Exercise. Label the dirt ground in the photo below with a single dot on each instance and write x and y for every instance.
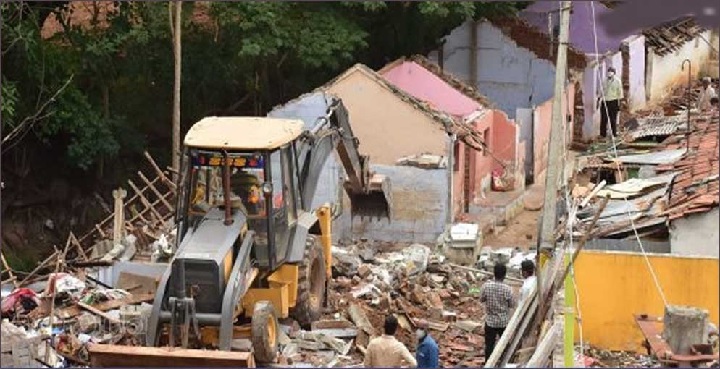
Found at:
(520, 232)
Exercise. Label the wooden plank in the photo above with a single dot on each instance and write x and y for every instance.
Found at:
(159, 172)
(143, 211)
(98, 313)
(155, 191)
(72, 311)
(128, 356)
(520, 334)
(541, 356)
(49, 259)
(136, 284)
(144, 199)
(110, 217)
(9, 270)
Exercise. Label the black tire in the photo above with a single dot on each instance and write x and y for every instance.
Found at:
(312, 286)
(265, 328)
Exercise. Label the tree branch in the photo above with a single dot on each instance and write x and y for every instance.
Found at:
(27, 123)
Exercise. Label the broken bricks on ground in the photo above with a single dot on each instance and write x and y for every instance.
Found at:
(416, 283)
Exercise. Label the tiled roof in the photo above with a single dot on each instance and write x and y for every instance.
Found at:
(527, 36)
(464, 131)
(696, 188)
(422, 106)
(671, 36)
(453, 81)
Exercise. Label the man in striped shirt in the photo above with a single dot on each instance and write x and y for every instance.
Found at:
(498, 299)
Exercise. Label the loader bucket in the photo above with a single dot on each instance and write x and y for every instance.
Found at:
(115, 356)
(376, 202)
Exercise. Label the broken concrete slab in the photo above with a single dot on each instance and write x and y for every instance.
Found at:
(467, 325)
(685, 326)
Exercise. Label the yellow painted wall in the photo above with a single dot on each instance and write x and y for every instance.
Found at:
(613, 286)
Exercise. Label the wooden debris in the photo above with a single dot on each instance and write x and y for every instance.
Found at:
(125, 356)
(98, 313)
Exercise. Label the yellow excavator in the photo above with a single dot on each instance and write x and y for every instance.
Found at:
(250, 248)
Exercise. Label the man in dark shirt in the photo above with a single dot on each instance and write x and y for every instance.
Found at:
(498, 299)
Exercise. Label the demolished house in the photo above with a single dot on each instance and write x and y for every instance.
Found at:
(409, 141)
(494, 166)
(662, 181)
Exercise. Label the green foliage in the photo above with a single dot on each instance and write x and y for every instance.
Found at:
(8, 100)
(238, 58)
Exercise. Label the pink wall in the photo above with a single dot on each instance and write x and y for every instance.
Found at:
(426, 86)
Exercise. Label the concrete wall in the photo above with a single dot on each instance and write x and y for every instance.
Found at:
(510, 76)
(663, 73)
(628, 245)
(696, 234)
(424, 85)
(308, 108)
(636, 90)
(419, 207)
(387, 127)
(612, 286)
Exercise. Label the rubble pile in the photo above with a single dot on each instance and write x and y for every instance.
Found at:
(415, 285)
(50, 323)
(599, 358)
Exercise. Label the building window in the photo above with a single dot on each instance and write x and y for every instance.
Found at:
(456, 155)
(486, 140)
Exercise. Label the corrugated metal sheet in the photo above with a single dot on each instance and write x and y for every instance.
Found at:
(654, 158)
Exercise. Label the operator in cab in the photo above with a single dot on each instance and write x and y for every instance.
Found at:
(247, 186)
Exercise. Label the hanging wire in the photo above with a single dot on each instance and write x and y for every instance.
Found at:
(615, 153)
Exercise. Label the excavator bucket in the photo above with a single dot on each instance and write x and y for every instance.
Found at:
(375, 202)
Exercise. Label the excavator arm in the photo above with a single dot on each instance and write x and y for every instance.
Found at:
(369, 193)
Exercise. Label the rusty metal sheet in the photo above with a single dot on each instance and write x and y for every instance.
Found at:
(652, 327)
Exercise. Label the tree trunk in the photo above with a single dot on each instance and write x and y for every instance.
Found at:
(176, 92)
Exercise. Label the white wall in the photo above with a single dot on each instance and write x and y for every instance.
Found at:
(696, 234)
(663, 73)
(636, 90)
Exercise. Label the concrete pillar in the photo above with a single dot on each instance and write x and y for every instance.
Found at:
(684, 327)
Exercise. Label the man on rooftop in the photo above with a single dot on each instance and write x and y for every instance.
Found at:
(706, 95)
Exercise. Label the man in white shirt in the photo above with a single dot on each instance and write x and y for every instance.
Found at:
(706, 95)
(386, 351)
(527, 268)
(612, 92)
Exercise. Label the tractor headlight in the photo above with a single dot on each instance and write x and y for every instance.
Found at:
(267, 188)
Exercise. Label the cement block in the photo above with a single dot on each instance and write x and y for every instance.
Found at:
(685, 326)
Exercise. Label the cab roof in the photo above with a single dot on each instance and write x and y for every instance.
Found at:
(243, 133)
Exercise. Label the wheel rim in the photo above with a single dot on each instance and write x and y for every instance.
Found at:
(316, 285)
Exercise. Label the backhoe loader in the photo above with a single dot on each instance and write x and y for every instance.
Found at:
(250, 249)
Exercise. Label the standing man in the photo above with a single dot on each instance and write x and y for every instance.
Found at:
(498, 299)
(612, 90)
(527, 268)
(706, 95)
(386, 351)
(427, 352)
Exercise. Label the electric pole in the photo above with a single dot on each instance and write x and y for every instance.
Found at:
(175, 27)
(549, 215)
